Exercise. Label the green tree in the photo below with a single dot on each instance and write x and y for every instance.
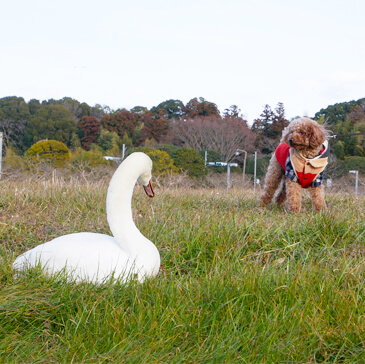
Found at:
(339, 150)
(189, 160)
(355, 163)
(172, 109)
(14, 107)
(354, 122)
(108, 139)
(50, 122)
(335, 113)
(137, 136)
(14, 113)
(233, 112)
(140, 110)
(75, 141)
(268, 128)
(350, 145)
(279, 122)
(168, 148)
(358, 151)
(34, 105)
(267, 118)
(96, 111)
(127, 141)
(69, 103)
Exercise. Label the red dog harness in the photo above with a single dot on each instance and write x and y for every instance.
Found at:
(307, 172)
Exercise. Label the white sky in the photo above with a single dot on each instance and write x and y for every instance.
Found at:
(306, 54)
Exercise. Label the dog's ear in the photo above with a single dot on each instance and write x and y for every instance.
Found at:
(317, 135)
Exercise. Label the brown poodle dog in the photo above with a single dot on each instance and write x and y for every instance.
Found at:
(298, 163)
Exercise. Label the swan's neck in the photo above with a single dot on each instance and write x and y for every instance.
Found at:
(119, 211)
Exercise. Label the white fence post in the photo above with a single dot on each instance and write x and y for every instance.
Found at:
(356, 173)
(254, 172)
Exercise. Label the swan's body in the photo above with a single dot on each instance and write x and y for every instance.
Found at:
(98, 257)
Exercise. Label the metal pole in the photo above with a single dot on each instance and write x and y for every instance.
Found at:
(1, 151)
(356, 173)
(123, 151)
(254, 173)
(228, 176)
(244, 166)
(205, 157)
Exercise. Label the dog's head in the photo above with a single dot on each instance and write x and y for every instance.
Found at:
(304, 134)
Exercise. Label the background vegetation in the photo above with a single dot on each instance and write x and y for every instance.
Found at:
(171, 125)
(237, 284)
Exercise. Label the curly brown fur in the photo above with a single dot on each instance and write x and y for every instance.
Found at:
(304, 135)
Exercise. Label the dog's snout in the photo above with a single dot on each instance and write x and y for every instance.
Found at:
(290, 140)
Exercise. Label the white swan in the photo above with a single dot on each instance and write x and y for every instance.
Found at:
(96, 257)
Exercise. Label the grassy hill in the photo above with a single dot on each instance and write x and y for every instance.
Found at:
(238, 283)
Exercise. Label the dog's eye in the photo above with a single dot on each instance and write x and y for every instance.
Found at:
(302, 132)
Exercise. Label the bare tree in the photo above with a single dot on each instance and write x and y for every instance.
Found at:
(224, 136)
(13, 130)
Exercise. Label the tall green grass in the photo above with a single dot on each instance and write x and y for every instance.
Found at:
(238, 283)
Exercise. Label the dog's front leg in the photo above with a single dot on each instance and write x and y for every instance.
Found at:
(294, 195)
(317, 194)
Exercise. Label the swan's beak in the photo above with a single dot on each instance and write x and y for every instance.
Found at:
(149, 189)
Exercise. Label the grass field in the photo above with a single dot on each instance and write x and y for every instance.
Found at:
(238, 283)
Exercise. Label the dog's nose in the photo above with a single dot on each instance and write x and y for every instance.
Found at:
(290, 140)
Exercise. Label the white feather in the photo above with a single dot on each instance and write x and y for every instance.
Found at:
(97, 257)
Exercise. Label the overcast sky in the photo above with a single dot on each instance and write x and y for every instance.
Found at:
(306, 54)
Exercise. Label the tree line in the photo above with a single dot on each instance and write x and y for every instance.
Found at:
(344, 119)
(198, 124)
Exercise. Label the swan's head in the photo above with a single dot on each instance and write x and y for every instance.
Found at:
(146, 176)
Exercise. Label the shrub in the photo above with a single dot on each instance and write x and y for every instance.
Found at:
(339, 150)
(108, 139)
(170, 149)
(12, 160)
(82, 159)
(355, 163)
(262, 164)
(190, 160)
(358, 151)
(162, 163)
(52, 152)
(213, 156)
